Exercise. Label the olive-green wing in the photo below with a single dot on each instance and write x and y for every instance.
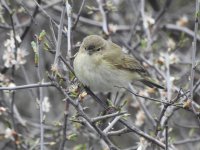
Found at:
(126, 62)
(129, 63)
(123, 61)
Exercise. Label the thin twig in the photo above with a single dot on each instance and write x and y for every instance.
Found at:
(66, 113)
(118, 132)
(110, 126)
(35, 12)
(69, 9)
(104, 16)
(145, 24)
(78, 15)
(185, 30)
(152, 99)
(39, 74)
(194, 48)
(58, 44)
(166, 136)
(107, 116)
(163, 10)
(28, 86)
(185, 141)
(69, 27)
(146, 111)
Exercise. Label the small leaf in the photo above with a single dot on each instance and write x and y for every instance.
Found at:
(34, 46)
(80, 147)
(42, 35)
(72, 137)
(144, 43)
(36, 59)
(46, 46)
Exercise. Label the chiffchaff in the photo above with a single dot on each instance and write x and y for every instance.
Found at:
(102, 66)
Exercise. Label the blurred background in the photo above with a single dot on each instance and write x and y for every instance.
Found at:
(158, 33)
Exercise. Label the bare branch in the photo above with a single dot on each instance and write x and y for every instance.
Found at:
(28, 86)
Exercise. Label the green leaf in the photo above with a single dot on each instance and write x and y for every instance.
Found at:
(34, 46)
(36, 56)
(80, 147)
(46, 46)
(72, 137)
(42, 35)
(144, 43)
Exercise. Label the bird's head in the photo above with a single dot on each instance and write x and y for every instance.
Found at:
(93, 44)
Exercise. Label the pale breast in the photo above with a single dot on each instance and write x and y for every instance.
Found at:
(99, 76)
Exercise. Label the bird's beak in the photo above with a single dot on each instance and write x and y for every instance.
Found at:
(90, 51)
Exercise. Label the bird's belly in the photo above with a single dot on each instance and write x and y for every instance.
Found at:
(100, 77)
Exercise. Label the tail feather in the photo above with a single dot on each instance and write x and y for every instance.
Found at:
(151, 84)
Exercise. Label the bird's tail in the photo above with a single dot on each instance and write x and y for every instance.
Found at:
(151, 84)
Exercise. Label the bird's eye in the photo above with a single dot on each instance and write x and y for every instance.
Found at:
(98, 49)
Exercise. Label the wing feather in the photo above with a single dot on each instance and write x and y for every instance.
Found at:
(124, 61)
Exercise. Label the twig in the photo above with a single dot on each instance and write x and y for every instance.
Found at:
(185, 30)
(107, 116)
(78, 15)
(152, 99)
(196, 85)
(104, 16)
(166, 136)
(133, 29)
(35, 12)
(62, 145)
(168, 81)
(69, 24)
(146, 111)
(163, 10)
(39, 74)
(146, 136)
(21, 87)
(58, 44)
(164, 109)
(47, 15)
(69, 9)
(145, 24)
(194, 48)
(52, 32)
(185, 141)
(86, 20)
(111, 124)
(118, 132)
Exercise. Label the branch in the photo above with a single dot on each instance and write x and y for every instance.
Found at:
(107, 116)
(110, 126)
(104, 16)
(186, 30)
(78, 15)
(59, 35)
(40, 94)
(21, 87)
(69, 24)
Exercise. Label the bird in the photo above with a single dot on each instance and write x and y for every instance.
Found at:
(102, 66)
